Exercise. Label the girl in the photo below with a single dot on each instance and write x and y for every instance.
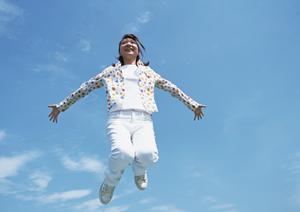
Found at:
(129, 88)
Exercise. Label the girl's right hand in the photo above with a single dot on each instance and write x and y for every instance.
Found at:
(54, 113)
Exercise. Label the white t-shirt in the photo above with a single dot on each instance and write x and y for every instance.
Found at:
(132, 99)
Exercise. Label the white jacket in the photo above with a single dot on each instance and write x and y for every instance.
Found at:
(113, 80)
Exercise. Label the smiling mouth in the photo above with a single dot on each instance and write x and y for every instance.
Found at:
(128, 49)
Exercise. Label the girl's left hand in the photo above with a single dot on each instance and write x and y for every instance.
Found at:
(198, 112)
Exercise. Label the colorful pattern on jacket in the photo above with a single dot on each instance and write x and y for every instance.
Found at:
(112, 79)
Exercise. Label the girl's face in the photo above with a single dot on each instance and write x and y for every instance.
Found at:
(129, 48)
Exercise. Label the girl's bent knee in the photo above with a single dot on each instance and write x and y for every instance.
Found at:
(147, 157)
(123, 156)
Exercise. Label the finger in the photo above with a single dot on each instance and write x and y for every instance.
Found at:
(201, 115)
(52, 118)
(50, 114)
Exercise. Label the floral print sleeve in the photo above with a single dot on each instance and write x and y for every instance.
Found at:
(82, 91)
(168, 86)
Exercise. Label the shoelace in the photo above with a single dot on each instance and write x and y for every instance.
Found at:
(142, 179)
(106, 189)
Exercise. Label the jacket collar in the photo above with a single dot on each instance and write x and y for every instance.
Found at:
(139, 63)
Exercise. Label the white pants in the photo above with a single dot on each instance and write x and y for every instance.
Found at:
(132, 142)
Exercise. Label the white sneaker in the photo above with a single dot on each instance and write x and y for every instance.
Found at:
(141, 181)
(106, 192)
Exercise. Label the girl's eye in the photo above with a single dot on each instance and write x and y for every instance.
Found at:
(131, 42)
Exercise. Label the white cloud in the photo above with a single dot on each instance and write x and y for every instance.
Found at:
(85, 45)
(65, 196)
(146, 200)
(56, 66)
(54, 70)
(94, 205)
(87, 164)
(218, 205)
(296, 199)
(2, 135)
(117, 208)
(9, 9)
(166, 208)
(131, 28)
(293, 171)
(223, 206)
(7, 187)
(8, 14)
(144, 18)
(59, 56)
(89, 205)
(50, 68)
(10, 166)
(134, 27)
(294, 165)
(197, 174)
(40, 180)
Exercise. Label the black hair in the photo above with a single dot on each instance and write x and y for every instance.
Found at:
(140, 49)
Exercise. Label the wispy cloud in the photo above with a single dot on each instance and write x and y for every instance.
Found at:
(134, 27)
(65, 196)
(293, 175)
(218, 205)
(294, 165)
(2, 135)
(144, 18)
(85, 45)
(94, 205)
(125, 193)
(8, 14)
(53, 69)
(223, 207)
(10, 166)
(59, 56)
(146, 200)
(40, 180)
(56, 67)
(166, 208)
(296, 198)
(89, 205)
(117, 208)
(86, 164)
(9, 9)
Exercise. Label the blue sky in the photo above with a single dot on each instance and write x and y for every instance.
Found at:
(240, 58)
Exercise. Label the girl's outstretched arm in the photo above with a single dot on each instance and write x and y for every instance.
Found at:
(85, 88)
(180, 95)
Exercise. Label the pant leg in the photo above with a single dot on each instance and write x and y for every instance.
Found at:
(145, 147)
(122, 152)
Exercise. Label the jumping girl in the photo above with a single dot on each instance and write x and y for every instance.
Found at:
(129, 88)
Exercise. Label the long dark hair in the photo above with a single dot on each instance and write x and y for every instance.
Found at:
(140, 48)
